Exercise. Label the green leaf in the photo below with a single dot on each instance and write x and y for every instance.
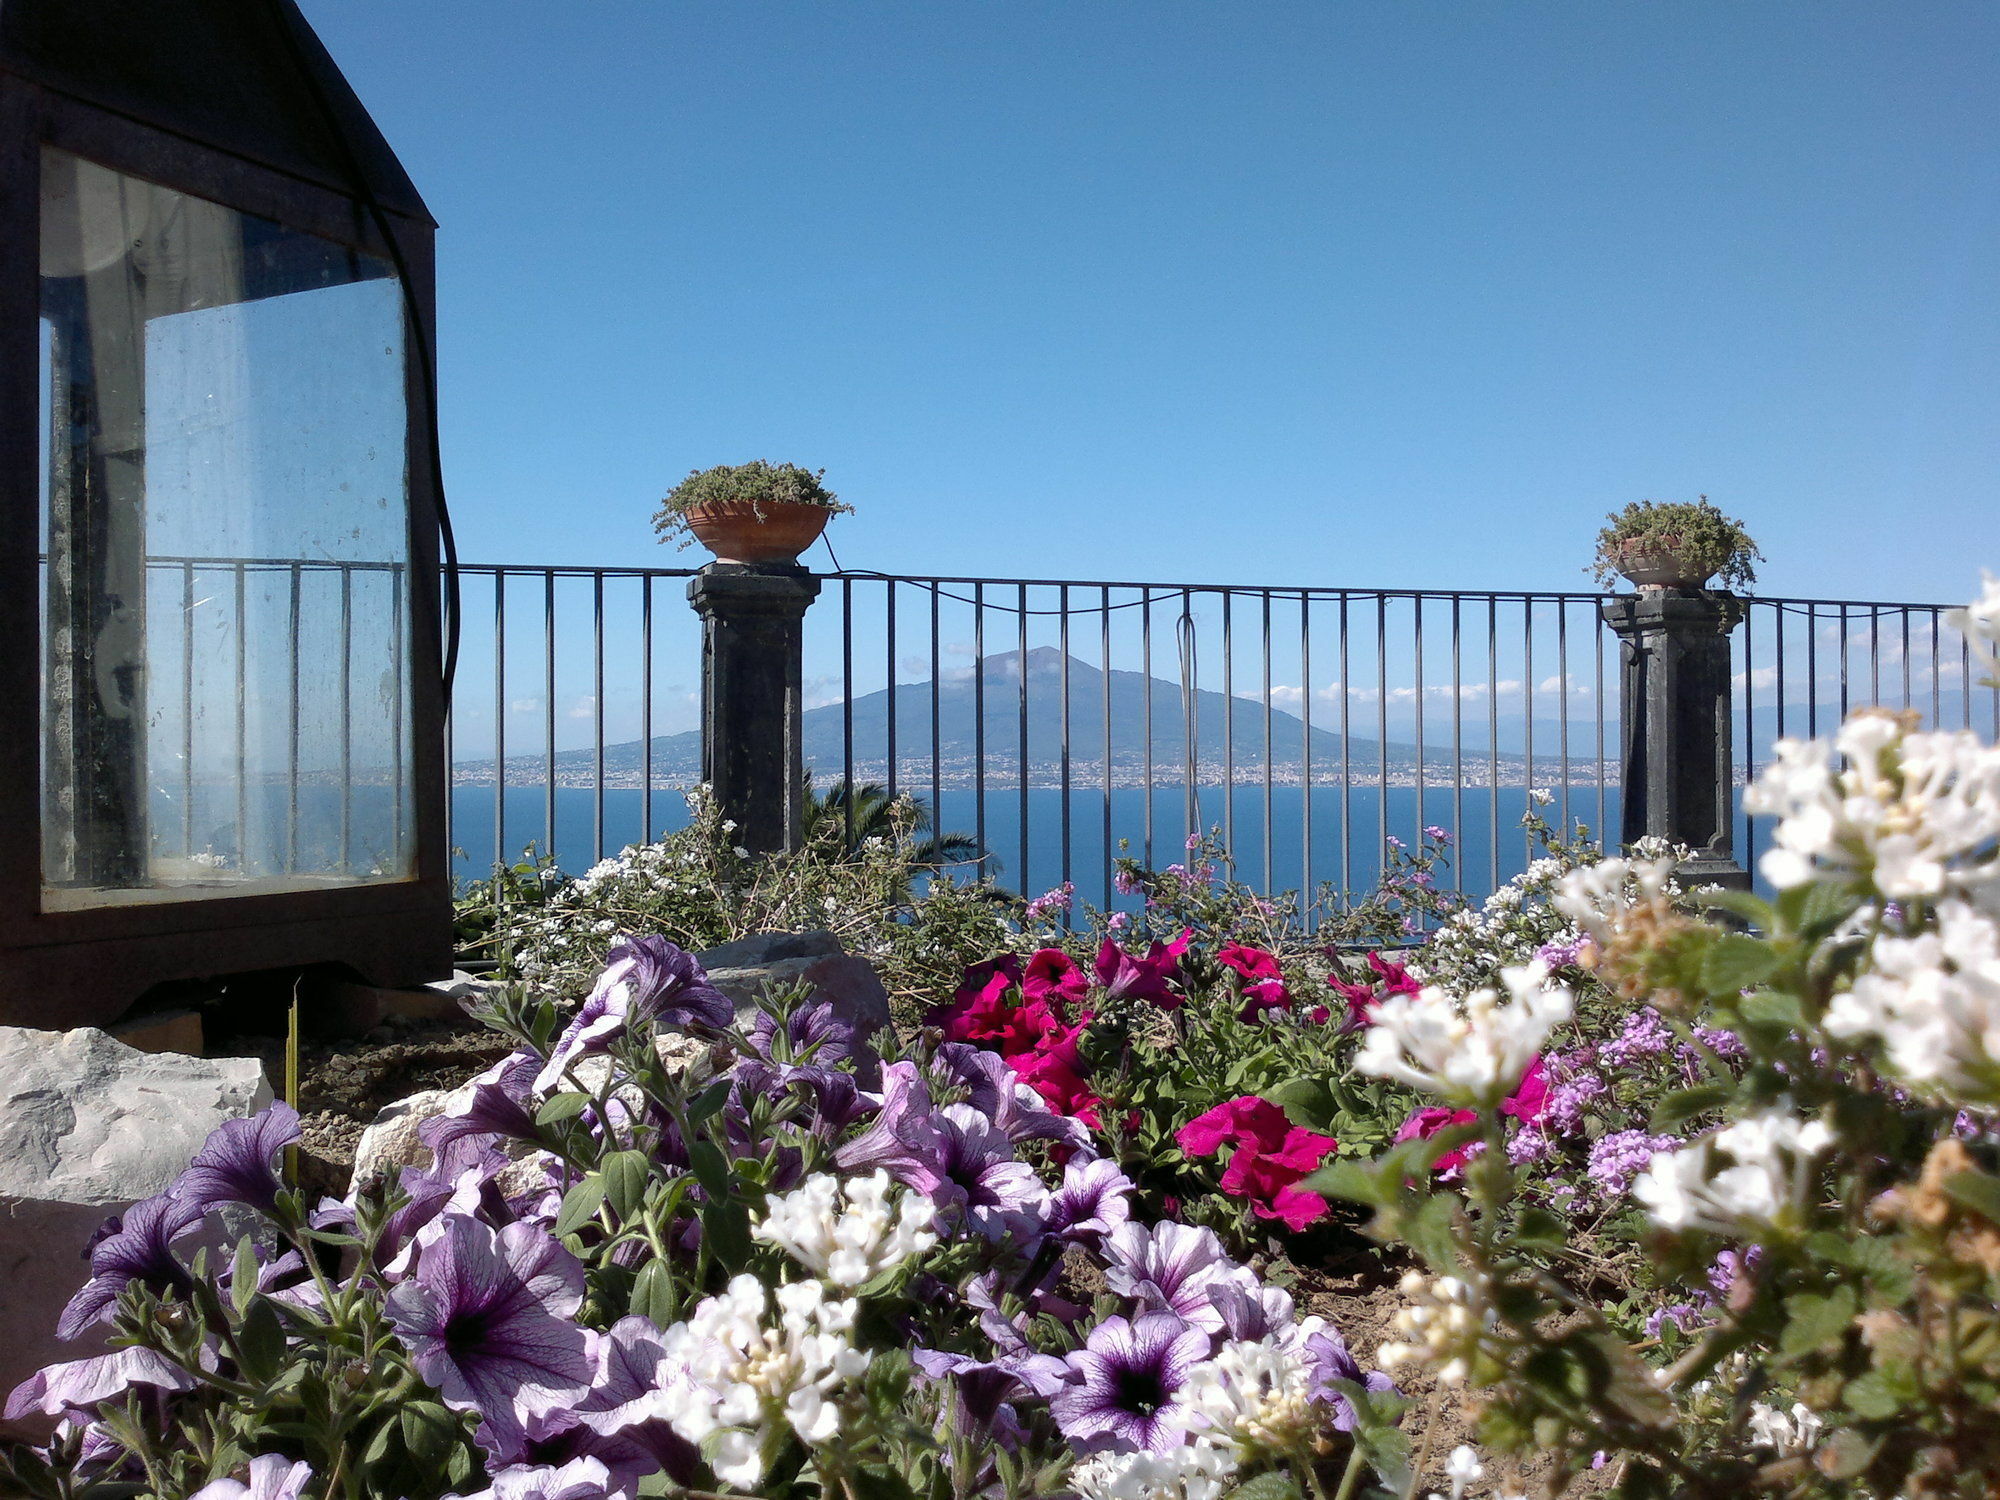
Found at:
(1539, 1229)
(725, 1227)
(1752, 909)
(1431, 1231)
(260, 1339)
(1825, 906)
(243, 1275)
(561, 1106)
(579, 1205)
(626, 1174)
(1773, 1008)
(1813, 1321)
(1735, 962)
(1356, 1182)
(653, 1294)
(429, 1432)
(1876, 1396)
(1682, 1105)
(1976, 1191)
(708, 1102)
(711, 1168)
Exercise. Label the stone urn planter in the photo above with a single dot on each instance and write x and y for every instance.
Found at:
(1653, 565)
(770, 531)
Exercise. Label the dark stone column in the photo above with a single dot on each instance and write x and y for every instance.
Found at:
(751, 648)
(1675, 723)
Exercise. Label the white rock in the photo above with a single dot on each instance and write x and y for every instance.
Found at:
(88, 1126)
(390, 1142)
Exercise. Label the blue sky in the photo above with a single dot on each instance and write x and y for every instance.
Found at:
(1347, 293)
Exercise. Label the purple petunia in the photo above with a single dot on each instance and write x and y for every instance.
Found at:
(579, 1479)
(645, 980)
(1173, 1268)
(238, 1162)
(624, 1420)
(1095, 1199)
(500, 1105)
(79, 1384)
(1330, 1361)
(272, 1477)
(1125, 1384)
(899, 1139)
(488, 1319)
(978, 1175)
(137, 1247)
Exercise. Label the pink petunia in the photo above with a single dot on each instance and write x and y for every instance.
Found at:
(1248, 1121)
(1427, 1122)
(1053, 976)
(1128, 975)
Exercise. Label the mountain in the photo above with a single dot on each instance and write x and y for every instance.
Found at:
(962, 713)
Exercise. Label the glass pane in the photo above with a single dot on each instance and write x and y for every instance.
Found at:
(225, 586)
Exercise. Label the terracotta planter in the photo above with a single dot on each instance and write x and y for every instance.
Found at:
(736, 533)
(1656, 565)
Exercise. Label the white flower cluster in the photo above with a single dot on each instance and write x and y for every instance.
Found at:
(849, 1231)
(1791, 1433)
(1442, 1325)
(1473, 945)
(1770, 1154)
(1256, 1395)
(1979, 623)
(1598, 897)
(1193, 1471)
(1470, 1053)
(746, 1378)
(1904, 812)
(1934, 999)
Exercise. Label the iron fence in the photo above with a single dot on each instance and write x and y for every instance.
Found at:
(1061, 723)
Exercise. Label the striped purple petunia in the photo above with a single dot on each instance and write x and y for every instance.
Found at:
(1125, 1385)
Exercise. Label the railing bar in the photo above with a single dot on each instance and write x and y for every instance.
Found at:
(1104, 643)
(1346, 763)
(1844, 649)
(1562, 712)
(847, 710)
(1190, 720)
(499, 726)
(1304, 693)
(549, 713)
(1457, 748)
(1812, 672)
(346, 719)
(1381, 730)
(1146, 650)
(1229, 737)
(1603, 712)
(1417, 680)
(1493, 739)
(1937, 666)
(937, 718)
(242, 728)
(292, 738)
(187, 710)
(1062, 682)
(889, 637)
(1874, 657)
(648, 829)
(597, 714)
(979, 723)
(1728, 811)
(1022, 688)
(1528, 703)
(1905, 616)
(1305, 764)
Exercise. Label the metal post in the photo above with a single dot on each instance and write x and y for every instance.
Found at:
(751, 696)
(1674, 695)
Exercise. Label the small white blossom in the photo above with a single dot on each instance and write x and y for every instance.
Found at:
(1461, 1469)
(1979, 623)
(1790, 1433)
(742, 1376)
(849, 1232)
(1443, 1325)
(1934, 999)
(1257, 1395)
(1194, 1471)
(1471, 1053)
(1770, 1155)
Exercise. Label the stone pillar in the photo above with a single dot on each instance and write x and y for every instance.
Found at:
(751, 649)
(1675, 725)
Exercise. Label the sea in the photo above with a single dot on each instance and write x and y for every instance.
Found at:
(1349, 833)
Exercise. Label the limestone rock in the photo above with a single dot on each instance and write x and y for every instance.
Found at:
(88, 1126)
(390, 1142)
(746, 969)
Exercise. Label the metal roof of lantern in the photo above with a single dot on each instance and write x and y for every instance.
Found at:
(244, 76)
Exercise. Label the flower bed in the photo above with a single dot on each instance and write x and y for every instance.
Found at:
(1689, 1193)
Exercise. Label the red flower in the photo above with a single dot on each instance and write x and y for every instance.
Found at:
(1251, 963)
(1262, 985)
(1391, 978)
(1530, 1100)
(1271, 1157)
(1123, 973)
(1054, 976)
(1433, 1118)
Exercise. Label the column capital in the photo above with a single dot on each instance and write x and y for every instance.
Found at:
(740, 589)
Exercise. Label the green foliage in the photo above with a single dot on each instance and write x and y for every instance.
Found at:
(1713, 544)
(755, 484)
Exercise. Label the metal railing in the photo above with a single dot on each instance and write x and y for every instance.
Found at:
(1054, 720)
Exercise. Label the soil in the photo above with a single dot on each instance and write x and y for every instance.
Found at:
(343, 1083)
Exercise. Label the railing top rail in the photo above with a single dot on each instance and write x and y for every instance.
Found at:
(1316, 591)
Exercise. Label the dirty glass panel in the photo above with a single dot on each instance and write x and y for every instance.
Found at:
(225, 702)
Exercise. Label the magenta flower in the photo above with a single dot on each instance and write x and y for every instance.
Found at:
(647, 980)
(134, 1248)
(1126, 975)
(237, 1163)
(272, 1477)
(80, 1384)
(1053, 976)
(1429, 1121)
(1530, 1099)
(1125, 1383)
(488, 1320)
(1248, 1121)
